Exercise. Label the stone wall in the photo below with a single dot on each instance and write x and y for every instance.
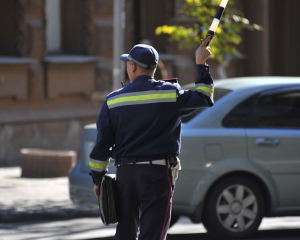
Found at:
(56, 125)
(46, 98)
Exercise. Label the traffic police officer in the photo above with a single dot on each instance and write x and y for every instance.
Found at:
(139, 126)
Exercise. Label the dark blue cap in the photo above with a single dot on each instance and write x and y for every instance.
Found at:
(142, 55)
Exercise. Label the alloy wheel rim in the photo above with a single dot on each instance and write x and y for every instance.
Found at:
(237, 208)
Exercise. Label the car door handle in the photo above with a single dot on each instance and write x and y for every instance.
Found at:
(270, 142)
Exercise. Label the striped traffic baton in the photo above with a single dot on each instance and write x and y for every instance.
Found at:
(216, 21)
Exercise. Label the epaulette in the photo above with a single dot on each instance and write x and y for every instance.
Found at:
(171, 80)
(116, 90)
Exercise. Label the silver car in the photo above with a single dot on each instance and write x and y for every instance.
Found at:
(240, 159)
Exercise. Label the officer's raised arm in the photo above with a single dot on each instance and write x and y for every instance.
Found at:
(204, 81)
(189, 100)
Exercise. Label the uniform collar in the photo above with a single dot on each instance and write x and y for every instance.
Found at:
(143, 78)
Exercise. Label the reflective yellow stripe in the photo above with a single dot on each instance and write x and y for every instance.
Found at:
(206, 90)
(98, 165)
(156, 96)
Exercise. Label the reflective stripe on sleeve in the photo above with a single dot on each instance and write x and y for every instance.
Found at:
(206, 89)
(145, 97)
(98, 166)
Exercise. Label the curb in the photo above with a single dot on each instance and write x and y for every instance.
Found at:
(11, 216)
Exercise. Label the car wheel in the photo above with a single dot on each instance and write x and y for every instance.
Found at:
(234, 208)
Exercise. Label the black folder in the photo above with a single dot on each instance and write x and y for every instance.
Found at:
(107, 200)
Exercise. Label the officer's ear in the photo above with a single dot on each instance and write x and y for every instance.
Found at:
(133, 67)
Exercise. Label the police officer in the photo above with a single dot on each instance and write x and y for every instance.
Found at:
(139, 126)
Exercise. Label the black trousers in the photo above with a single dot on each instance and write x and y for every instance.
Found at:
(144, 193)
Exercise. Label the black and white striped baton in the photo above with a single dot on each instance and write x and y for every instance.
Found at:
(216, 21)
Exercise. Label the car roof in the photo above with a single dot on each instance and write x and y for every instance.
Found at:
(237, 83)
(242, 82)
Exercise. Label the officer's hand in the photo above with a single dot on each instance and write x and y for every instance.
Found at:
(203, 52)
(96, 191)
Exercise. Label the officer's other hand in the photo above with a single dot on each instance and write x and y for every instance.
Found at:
(96, 191)
(203, 52)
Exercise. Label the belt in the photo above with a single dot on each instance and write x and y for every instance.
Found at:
(126, 160)
(154, 162)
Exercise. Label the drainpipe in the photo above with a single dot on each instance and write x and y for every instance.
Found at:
(118, 43)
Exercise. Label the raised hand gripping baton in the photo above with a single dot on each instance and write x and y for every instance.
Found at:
(216, 21)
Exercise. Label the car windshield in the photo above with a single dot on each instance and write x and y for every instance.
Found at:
(218, 94)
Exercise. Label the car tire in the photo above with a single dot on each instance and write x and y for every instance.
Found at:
(233, 209)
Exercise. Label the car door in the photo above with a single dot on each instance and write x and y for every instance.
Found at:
(273, 134)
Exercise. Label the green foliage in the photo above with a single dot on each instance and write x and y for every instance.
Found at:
(227, 35)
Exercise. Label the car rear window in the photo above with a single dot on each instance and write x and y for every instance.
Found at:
(276, 111)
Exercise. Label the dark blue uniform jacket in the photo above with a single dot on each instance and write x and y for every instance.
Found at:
(143, 119)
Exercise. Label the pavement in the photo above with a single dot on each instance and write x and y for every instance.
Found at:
(40, 208)
(37, 199)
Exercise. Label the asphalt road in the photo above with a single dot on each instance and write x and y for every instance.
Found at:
(286, 228)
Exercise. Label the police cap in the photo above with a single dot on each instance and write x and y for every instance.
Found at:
(142, 55)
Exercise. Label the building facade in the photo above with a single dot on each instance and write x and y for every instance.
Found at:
(56, 60)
